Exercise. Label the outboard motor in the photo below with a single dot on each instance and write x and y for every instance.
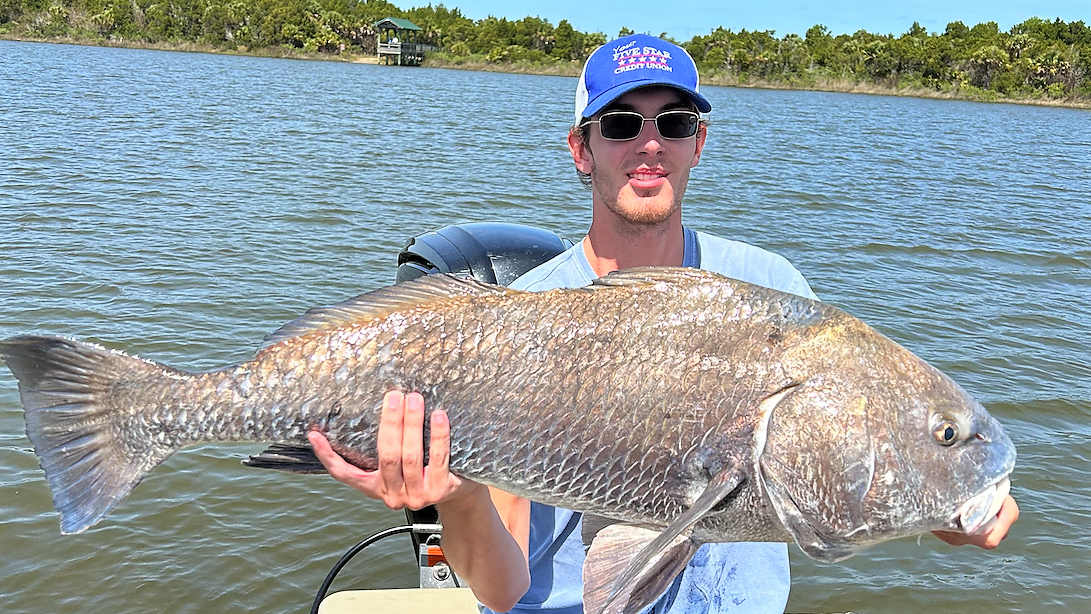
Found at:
(492, 252)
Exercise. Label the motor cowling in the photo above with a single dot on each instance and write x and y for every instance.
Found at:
(492, 252)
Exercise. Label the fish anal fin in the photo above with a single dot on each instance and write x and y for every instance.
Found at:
(662, 557)
(591, 525)
(382, 302)
(612, 550)
(293, 458)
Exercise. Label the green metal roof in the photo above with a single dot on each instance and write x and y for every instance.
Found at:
(397, 24)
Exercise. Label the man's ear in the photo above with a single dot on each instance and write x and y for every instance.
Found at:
(702, 134)
(581, 153)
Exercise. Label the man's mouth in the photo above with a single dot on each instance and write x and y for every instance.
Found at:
(647, 179)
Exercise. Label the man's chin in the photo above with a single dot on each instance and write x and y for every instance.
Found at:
(644, 213)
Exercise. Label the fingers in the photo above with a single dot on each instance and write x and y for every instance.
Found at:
(412, 447)
(954, 538)
(324, 451)
(403, 478)
(401, 451)
(387, 483)
(364, 481)
(1008, 514)
(390, 442)
(437, 475)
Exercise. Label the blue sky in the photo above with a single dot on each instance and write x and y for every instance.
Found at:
(684, 19)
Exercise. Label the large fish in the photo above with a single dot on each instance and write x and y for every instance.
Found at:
(693, 407)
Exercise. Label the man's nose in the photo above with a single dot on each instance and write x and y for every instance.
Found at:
(649, 138)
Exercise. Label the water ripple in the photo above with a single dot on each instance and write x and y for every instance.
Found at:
(181, 206)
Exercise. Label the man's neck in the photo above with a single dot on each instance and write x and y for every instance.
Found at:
(611, 248)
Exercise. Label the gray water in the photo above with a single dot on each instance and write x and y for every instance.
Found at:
(181, 206)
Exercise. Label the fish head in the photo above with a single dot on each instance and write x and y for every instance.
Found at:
(870, 443)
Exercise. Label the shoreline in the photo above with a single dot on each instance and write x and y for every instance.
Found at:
(821, 84)
(846, 86)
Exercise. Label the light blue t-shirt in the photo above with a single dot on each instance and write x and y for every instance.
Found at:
(741, 578)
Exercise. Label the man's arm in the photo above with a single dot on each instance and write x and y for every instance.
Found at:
(486, 544)
(475, 540)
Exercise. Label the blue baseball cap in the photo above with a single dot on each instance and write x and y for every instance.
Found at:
(632, 62)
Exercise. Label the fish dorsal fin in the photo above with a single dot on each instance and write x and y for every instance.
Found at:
(645, 275)
(382, 302)
(661, 559)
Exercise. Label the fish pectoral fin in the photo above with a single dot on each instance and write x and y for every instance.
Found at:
(611, 552)
(660, 559)
(292, 458)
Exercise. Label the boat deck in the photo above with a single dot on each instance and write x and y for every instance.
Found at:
(401, 601)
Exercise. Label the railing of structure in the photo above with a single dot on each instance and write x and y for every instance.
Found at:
(404, 53)
(403, 48)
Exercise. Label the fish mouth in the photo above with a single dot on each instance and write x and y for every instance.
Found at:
(978, 515)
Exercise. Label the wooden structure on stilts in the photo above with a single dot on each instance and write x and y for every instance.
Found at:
(398, 42)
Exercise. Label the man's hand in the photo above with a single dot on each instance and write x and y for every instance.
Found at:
(402, 480)
(1008, 514)
(475, 540)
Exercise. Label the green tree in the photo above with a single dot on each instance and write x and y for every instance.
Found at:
(1038, 57)
(114, 18)
(986, 64)
(563, 41)
(10, 10)
(957, 30)
(821, 46)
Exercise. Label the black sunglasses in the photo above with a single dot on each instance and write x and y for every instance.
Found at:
(626, 125)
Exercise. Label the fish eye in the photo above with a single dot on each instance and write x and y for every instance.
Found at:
(945, 432)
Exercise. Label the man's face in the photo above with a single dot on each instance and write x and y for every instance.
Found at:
(640, 181)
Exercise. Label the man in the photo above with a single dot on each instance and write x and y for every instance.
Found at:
(637, 135)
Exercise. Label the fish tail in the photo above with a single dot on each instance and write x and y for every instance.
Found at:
(77, 426)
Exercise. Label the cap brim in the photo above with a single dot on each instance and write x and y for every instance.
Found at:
(604, 99)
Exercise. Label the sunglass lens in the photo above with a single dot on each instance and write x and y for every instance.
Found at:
(620, 126)
(679, 125)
